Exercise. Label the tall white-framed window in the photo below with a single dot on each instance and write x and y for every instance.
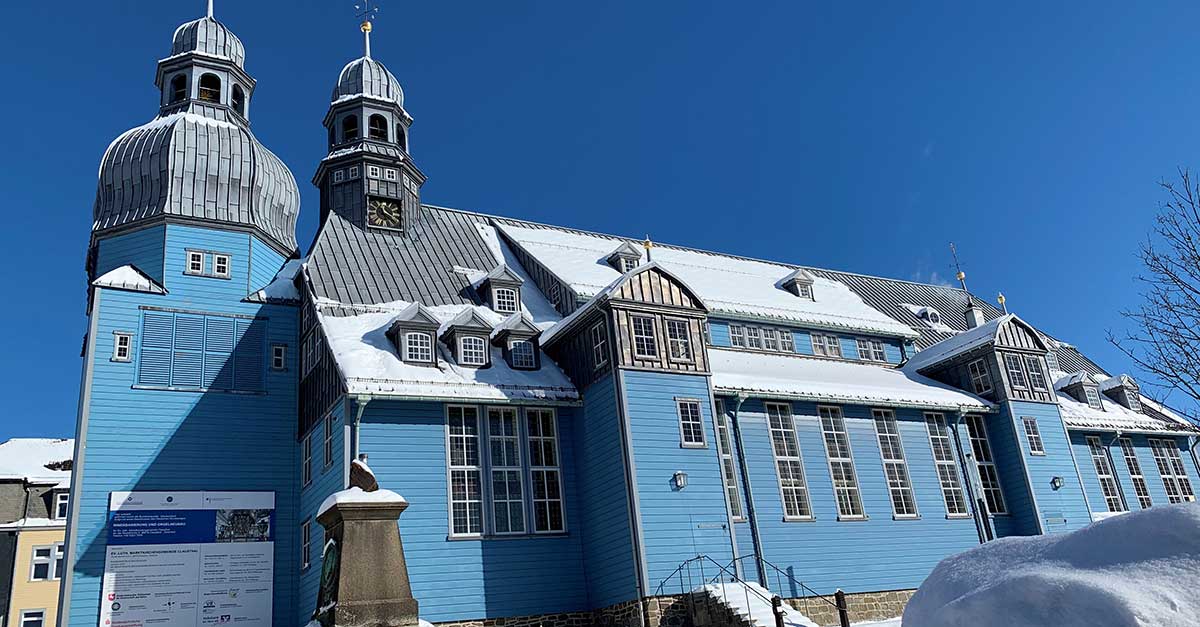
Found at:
(305, 545)
(62, 503)
(985, 464)
(871, 350)
(789, 465)
(770, 340)
(895, 466)
(1033, 435)
(505, 299)
(221, 266)
(737, 336)
(546, 478)
(1104, 472)
(1037, 378)
(981, 381)
(599, 345)
(679, 339)
(841, 462)
(195, 262)
(466, 489)
(418, 347)
(1093, 396)
(122, 346)
(504, 442)
(787, 343)
(279, 357)
(33, 618)
(46, 563)
(306, 461)
(947, 467)
(725, 448)
(522, 354)
(1170, 467)
(826, 345)
(1135, 472)
(754, 338)
(328, 443)
(691, 423)
(472, 350)
(1016, 374)
(645, 345)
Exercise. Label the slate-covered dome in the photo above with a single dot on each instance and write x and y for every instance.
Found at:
(208, 36)
(192, 166)
(368, 77)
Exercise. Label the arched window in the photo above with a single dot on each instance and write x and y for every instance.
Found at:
(401, 138)
(210, 88)
(238, 100)
(377, 127)
(179, 87)
(349, 128)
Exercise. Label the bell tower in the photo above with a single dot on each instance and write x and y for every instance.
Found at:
(368, 178)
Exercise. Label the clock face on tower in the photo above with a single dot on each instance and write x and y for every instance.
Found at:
(383, 212)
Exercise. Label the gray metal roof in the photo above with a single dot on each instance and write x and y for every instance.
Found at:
(210, 37)
(367, 77)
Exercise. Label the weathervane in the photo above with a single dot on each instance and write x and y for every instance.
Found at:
(367, 10)
(960, 275)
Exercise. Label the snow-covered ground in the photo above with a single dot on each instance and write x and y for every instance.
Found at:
(1139, 569)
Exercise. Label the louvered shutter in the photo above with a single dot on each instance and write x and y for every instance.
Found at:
(218, 346)
(248, 361)
(154, 358)
(188, 365)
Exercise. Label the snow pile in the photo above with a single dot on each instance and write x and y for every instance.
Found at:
(747, 600)
(283, 286)
(1139, 569)
(356, 495)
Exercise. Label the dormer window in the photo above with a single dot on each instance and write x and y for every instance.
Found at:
(1135, 403)
(472, 351)
(210, 88)
(504, 300)
(501, 289)
(628, 264)
(799, 283)
(418, 347)
(522, 355)
(932, 315)
(625, 258)
(412, 332)
(1092, 394)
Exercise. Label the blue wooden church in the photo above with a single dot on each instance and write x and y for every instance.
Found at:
(571, 415)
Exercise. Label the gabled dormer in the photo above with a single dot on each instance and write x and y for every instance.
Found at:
(1124, 390)
(467, 338)
(1001, 359)
(625, 258)
(517, 338)
(501, 290)
(799, 283)
(1081, 387)
(412, 332)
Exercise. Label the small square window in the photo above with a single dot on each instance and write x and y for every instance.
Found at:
(805, 291)
(195, 262)
(339, 176)
(221, 266)
(279, 357)
(62, 501)
(373, 171)
(353, 172)
(33, 618)
(122, 346)
(389, 174)
(522, 354)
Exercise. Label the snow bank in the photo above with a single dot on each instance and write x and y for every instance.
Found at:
(356, 495)
(746, 599)
(1140, 569)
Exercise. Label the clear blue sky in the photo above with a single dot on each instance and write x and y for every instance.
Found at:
(861, 137)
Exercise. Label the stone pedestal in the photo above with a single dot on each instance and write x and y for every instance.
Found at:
(368, 585)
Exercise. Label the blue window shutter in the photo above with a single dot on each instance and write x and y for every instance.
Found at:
(189, 351)
(154, 358)
(248, 361)
(218, 346)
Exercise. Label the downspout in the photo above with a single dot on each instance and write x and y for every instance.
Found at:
(361, 400)
(751, 515)
(982, 527)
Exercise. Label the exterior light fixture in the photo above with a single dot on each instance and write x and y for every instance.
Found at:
(680, 479)
(1056, 483)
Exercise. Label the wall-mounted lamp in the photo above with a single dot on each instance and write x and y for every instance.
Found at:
(1056, 483)
(680, 479)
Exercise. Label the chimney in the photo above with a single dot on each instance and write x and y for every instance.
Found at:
(974, 314)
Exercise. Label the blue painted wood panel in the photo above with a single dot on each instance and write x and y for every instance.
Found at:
(676, 524)
(1145, 455)
(470, 579)
(142, 248)
(718, 331)
(1021, 519)
(604, 499)
(879, 553)
(237, 245)
(1063, 509)
(264, 263)
(803, 341)
(326, 479)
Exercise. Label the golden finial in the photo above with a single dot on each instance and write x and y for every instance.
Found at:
(367, 11)
(647, 244)
(1000, 299)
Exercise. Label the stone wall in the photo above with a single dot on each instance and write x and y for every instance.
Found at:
(863, 606)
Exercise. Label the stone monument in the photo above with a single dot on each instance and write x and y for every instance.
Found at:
(364, 580)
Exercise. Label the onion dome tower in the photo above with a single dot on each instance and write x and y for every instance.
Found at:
(197, 162)
(368, 177)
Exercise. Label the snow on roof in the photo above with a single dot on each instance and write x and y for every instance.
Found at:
(728, 284)
(534, 303)
(129, 277)
(1120, 380)
(584, 309)
(27, 458)
(1117, 417)
(283, 286)
(369, 362)
(1064, 380)
(807, 378)
(33, 523)
(965, 341)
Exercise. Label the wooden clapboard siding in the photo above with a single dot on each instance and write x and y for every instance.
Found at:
(575, 354)
(326, 479)
(1063, 509)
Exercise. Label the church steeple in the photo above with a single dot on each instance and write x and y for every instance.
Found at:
(368, 176)
(205, 73)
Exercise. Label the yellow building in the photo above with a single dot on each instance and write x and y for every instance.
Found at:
(37, 570)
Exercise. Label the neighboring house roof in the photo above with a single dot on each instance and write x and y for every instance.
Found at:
(129, 277)
(33, 523)
(37, 460)
(806, 378)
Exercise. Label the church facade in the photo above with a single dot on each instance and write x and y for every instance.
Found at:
(571, 415)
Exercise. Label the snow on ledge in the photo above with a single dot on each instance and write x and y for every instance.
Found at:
(128, 277)
(356, 495)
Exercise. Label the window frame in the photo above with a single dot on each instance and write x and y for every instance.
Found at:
(118, 336)
(481, 349)
(389, 174)
(374, 172)
(754, 338)
(737, 336)
(531, 355)
(1172, 471)
(838, 419)
(651, 340)
(787, 342)
(279, 357)
(339, 176)
(1140, 488)
(327, 441)
(517, 441)
(599, 337)
(1035, 374)
(509, 295)
(26, 616)
(306, 474)
(179, 88)
(686, 439)
(981, 377)
(770, 338)
(985, 446)
(785, 434)
(217, 259)
(194, 256)
(201, 89)
(53, 561)
(556, 468)
(1134, 397)
(1106, 475)
(938, 420)
(724, 433)
(903, 483)
(62, 501)
(1033, 435)
(1015, 367)
(875, 351)
(477, 468)
(305, 545)
(410, 348)
(1091, 392)
(684, 343)
(827, 342)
